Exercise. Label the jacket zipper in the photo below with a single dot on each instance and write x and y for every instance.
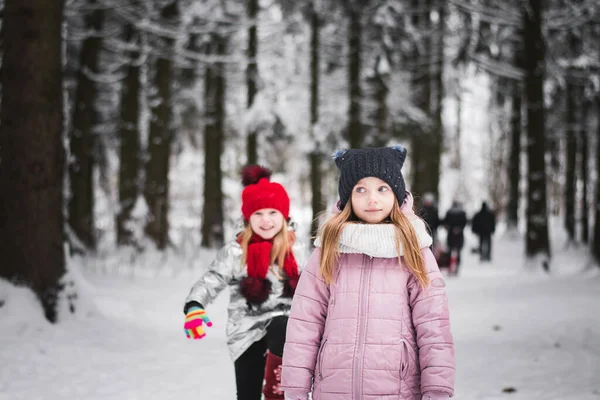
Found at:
(320, 361)
(335, 282)
(362, 318)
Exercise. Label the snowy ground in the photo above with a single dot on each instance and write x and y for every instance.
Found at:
(537, 334)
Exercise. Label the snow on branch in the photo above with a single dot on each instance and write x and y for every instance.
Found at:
(491, 15)
(572, 17)
(103, 78)
(74, 36)
(561, 18)
(498, 68)
(210, 58)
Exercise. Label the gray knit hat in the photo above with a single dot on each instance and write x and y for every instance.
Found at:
(384, 163)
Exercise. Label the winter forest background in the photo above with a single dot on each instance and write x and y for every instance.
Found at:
(124, 123)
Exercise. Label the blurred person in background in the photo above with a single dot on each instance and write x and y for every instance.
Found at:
(484, 226)
(455, 222)
(430, 214)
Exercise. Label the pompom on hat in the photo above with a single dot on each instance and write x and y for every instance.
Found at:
(259, 192)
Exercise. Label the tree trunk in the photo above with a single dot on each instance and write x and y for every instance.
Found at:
(381, 113)
(130, 154)
(316, 156)
(32, 149)
(537, 241)
(584, 171)
(596, 241)
(554, 181)
(457, 153)
(571, 157)
(355, 129)
(514, 166)
(160, 138)
(214, 92)
(438, 141)
(251, 77)
(85, 118)
(424, 150)
(316, 184)
(188, 77)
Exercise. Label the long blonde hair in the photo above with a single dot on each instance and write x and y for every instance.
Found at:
(282, 244)
(406, 239)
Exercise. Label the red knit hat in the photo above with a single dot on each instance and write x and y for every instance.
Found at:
(261, 193)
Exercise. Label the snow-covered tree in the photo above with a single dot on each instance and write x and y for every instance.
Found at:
(32, 149)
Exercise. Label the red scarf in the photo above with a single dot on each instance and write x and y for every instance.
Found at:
(256, 287)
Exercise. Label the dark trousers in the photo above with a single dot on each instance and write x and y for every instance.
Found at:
(250, 366)
(485, 247)
(456, 242)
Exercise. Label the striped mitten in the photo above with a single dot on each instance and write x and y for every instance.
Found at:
(194, 319)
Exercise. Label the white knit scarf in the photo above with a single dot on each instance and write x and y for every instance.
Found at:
(377, 240)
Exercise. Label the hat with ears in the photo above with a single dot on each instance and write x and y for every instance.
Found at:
(384, 163)
(259, 192)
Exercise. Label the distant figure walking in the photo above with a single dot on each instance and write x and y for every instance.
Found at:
(429, 213)
(455, 223)
(484, 225)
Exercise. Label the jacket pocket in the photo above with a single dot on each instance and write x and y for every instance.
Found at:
(320, 359)
(404, 360)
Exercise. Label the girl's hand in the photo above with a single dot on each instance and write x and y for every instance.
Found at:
(408, 206)
(194, 319)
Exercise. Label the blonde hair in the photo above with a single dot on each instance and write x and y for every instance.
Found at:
(406, 238)
(282, 244)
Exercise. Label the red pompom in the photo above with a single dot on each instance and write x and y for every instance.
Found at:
(289, 287)
(251, 174)
(255, 290)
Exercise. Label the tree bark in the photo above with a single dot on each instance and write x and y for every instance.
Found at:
(570, 160)
(457, 154)
(514, 166)
(537, 241)
(160, 138)
(584, 171)
(425, 143)
(596, 241)
(316, 156)
(438, 73)
(214, 92)
(382, 111)
(130, 153)
(32, 149)
(355, 129)
(82, 141)
(251, 77)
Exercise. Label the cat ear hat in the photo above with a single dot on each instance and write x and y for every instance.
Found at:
(384, 163)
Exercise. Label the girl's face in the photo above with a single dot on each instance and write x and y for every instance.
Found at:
(266, 222)
(372, 200)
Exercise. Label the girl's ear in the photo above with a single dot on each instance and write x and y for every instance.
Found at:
(338, 157)
(402, 152)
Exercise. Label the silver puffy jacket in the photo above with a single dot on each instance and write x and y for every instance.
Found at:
(245, 325)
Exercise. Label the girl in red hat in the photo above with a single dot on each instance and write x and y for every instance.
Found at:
(261, 271)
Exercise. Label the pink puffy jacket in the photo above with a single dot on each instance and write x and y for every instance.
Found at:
(374, 334)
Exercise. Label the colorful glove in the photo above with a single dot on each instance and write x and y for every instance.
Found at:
(193, 323)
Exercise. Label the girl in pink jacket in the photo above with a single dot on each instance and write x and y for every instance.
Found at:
(370, 316)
